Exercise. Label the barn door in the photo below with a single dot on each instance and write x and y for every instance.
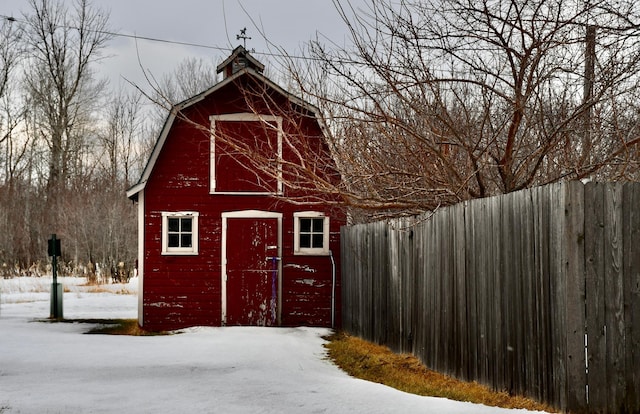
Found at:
(252, 270)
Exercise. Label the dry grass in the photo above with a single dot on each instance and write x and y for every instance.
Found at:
(101, 289)
(111, 326)
(370, 362)
(404, 372)
(120, 327)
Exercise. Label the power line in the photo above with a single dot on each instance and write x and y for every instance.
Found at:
(132, 36)
(191, 44)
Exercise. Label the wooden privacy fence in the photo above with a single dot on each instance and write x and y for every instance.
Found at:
(535, 292)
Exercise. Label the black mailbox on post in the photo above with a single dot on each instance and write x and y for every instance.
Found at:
(54, 246)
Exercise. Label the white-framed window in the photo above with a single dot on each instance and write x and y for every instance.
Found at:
(180, 233)
(311, 233)
(240, 181)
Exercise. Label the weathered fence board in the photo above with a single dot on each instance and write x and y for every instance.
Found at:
(472, 304)
(614, 306)
(575, 304)
(631, 289)
(594, 247)
(535, 292)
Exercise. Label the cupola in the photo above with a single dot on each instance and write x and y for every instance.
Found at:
(239, 59)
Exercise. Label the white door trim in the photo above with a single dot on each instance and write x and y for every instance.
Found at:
(223, 259)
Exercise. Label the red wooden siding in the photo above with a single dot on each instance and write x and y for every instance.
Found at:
(233, 166)
(180, 291)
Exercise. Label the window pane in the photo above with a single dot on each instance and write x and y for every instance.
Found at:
(174, 224)
(174, 240)
(318, 240)
(318, 225)
(186, 225)
(305, 240)
(305, 225)
(179, 232)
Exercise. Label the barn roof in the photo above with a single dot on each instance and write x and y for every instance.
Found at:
(253, 68)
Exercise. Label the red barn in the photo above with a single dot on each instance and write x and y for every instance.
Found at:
(234, 228)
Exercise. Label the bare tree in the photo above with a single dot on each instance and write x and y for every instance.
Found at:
(297, 167)
(62, 44)
(121, 140)
(12, 147)
(11, 53)
(190, 77)
(56, 138)
(441, 101)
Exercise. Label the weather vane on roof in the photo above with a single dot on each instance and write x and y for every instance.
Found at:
(243, 36)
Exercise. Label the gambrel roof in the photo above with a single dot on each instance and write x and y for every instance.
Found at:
(251, 68)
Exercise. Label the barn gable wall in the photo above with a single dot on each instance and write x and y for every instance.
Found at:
(182, 291)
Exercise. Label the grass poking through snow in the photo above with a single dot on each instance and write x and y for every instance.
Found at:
(370, 362)
(118, 327)
(111, 326)
(404, 372)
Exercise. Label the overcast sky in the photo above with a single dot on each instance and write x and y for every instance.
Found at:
(287, 24)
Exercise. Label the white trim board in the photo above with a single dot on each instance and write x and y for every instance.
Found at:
(243, 117)
(177, 109)
(223, 258)
(141, 246)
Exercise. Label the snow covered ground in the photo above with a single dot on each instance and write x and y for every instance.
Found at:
(55, 368)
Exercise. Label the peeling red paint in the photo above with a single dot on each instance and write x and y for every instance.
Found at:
(180, 291)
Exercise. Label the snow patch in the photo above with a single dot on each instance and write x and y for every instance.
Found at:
(55, 368)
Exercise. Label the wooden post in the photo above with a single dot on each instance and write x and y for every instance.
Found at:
(56, 289)
(589, 76)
